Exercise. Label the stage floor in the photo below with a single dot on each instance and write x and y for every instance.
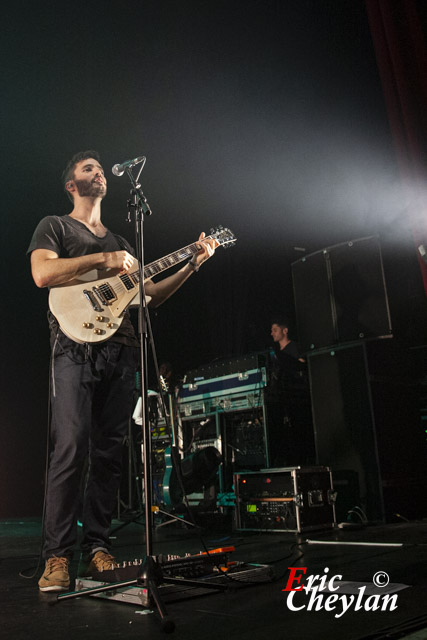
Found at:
(258, 611)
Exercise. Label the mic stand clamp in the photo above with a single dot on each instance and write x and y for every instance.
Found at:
(142, 200)
(137, 193)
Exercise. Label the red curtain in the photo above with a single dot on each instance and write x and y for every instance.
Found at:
(401, 53)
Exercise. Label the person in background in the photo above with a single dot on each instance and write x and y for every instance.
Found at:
(289, 423)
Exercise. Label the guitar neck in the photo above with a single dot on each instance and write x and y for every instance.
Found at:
(156, 267)
(170, 260)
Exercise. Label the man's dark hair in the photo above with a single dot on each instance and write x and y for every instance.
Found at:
(281, 321)
(68, 173)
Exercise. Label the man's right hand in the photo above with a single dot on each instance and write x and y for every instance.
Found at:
(121, 260)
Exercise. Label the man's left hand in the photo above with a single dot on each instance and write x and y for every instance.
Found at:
(207, 249)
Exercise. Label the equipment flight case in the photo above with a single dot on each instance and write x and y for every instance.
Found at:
(285, 499)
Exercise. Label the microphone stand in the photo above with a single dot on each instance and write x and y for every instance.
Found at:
(138, 203)
(140, 206)
(150, 575)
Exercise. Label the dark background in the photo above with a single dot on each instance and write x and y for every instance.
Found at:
(267, 117)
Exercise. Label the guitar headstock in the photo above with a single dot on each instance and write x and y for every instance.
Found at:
(225, 237)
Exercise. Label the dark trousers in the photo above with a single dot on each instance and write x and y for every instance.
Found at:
(91, 398)
(290, 432)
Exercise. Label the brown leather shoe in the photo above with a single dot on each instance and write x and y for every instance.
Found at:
(55, 576)
(101, 561)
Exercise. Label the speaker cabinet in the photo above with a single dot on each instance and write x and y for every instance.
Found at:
(340, 295)
(366, 404)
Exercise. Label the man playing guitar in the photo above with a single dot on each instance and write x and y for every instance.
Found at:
(91, 383)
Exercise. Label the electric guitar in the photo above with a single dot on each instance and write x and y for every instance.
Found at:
(90, 308)
(171, 490)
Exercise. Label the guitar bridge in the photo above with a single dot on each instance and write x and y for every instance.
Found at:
(89, 296)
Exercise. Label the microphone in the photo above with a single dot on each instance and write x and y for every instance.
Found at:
(119, 169)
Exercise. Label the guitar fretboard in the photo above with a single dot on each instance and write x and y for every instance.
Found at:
(162, 264)
(176, 257)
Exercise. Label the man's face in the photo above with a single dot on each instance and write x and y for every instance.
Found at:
(89, 179)
(278, 332)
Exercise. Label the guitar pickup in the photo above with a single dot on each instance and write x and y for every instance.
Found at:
(127, 281)
(105, 294)
(89, 296)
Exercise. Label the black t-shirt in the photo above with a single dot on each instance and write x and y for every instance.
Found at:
(287, 372)
(70, 238)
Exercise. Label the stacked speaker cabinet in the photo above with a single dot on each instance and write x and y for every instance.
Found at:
(340, 295)
(344, 428)
(367, 405)
(363, 394)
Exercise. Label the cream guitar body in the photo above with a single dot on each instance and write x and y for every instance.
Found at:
(91, 308)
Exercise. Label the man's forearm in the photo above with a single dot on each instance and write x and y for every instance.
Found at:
(52, 272)
(49, 271)
(162, 290)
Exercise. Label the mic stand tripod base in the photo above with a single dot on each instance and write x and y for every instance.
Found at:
(150, 577)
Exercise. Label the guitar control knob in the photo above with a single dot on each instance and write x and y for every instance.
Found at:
(98, 332)
(100, 318)
(110, 325)
(87, 325)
